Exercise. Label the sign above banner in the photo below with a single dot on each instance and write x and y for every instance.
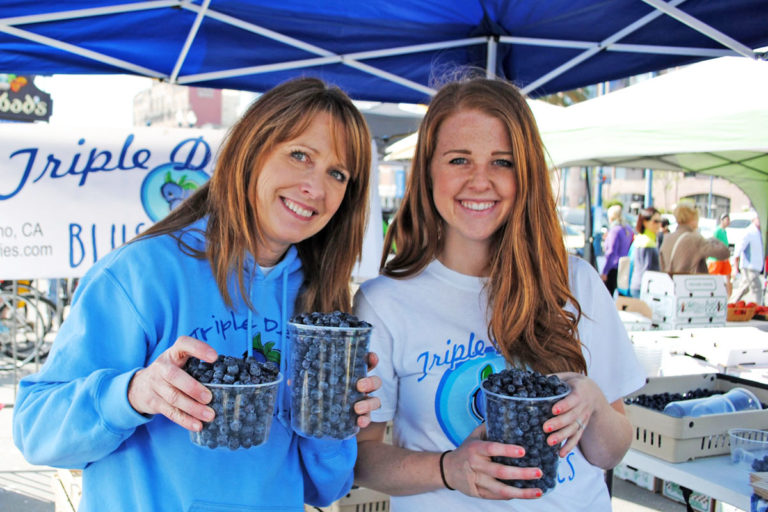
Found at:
(68, 197)
(21, 100)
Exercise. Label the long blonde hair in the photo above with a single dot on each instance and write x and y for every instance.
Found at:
(233, 228)
(528, 282)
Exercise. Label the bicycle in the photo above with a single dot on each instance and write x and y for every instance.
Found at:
(22, 330)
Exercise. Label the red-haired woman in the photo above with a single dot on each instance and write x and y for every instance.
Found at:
(480, 280)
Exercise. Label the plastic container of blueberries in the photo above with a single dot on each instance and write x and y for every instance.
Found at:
(243, 418)
(516, 420)
(323, 369)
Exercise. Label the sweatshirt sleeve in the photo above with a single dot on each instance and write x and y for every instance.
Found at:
(76, 410)
(328, 469)
(712, 247)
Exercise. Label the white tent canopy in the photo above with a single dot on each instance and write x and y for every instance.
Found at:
(710, 117)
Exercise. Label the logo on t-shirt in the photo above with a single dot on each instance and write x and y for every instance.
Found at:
(459, 403)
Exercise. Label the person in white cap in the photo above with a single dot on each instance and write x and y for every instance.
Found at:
(749, 259)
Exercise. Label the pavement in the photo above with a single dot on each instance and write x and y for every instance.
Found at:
(28, 488)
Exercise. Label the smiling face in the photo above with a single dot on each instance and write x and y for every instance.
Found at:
(300, 187)
(473, 180)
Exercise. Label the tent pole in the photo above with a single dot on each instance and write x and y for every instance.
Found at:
(490, 61)
(648, 188)
(589, 253)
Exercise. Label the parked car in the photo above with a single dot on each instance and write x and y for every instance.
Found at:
(574, 239)
(739, 224)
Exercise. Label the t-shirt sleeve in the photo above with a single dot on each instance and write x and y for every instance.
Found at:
(381, 343)
(611, 360)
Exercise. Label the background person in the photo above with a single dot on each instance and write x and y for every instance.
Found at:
(664, 231)
(227, 266)
(644, 253)
(748, 258)
(481, 279)
(685, 251)
(722, 267)
(617, 242)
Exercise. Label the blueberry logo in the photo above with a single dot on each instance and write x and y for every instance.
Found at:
(265, 352)
(167, 185)
(458, 416)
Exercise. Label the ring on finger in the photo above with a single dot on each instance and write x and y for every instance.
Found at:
(580, 424)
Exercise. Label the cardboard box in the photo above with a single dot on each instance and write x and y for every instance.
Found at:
(640, 478)
(696, 500)
(67, 489)
(680, 439)
(632, 305)
(634, 321)
(361, 499)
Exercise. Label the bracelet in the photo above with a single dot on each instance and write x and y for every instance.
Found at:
(442, 471)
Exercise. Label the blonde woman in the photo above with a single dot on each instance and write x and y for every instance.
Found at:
(229, 266)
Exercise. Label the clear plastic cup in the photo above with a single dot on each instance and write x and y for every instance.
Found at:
(325, 365)
(519, 421)
(735, 400)
(743, 400)
(749, 447)
(243, 415)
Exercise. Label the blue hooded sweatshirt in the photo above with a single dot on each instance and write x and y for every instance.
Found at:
(129, 308)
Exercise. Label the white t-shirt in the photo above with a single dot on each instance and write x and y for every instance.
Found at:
(430, 333)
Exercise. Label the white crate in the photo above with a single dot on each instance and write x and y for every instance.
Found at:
(668, 308)
(687, 324)
(684, 301)
(659, 284)
(730, 346)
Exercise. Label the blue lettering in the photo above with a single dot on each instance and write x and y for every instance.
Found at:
(204, 332)
(198, 145)
(241, 326)
(425, 355)
(270, 325)
(454, 356)
(93, 241)
(225, 326)
(74, 236)
(102, 161)
(570, 465)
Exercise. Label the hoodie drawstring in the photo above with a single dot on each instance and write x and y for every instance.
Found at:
(283, 412)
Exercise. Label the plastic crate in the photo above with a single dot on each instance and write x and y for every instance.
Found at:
(681, 439)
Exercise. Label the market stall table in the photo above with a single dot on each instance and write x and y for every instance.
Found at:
(715, 477)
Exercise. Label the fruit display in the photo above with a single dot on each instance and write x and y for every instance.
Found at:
(659, 401)
(328, 357)
(517, 403)
(243, 393)
(741, 311)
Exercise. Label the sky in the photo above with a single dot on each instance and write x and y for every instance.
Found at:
(92, 100)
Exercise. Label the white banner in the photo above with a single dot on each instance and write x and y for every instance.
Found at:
(68, 197)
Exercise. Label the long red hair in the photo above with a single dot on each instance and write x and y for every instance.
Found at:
(528, 282)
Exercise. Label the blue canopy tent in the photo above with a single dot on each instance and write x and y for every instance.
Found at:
(380, 51)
